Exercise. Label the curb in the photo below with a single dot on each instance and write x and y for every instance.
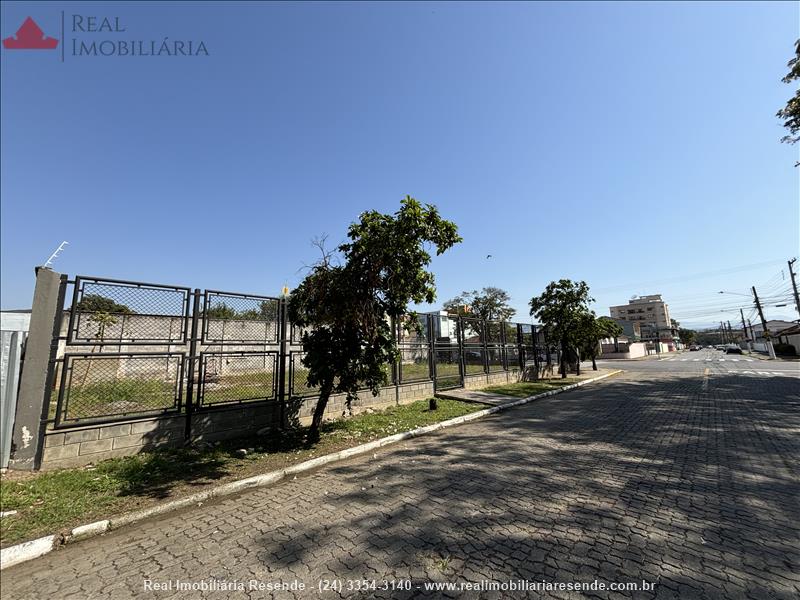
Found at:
(29, 550)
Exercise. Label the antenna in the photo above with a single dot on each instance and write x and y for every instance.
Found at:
(55, 254)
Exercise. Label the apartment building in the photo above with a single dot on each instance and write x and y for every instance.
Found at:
(651, 313)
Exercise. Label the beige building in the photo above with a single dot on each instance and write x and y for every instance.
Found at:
(651, 313)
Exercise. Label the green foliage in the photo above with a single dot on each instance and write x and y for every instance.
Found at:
(602, 328)
(609, 327)
(95, 303)
(593, 329)
(790, 114)
(346, 308)
(490, 303)
(560, 309)
(221, 311)
(267, 311)
(687, 336)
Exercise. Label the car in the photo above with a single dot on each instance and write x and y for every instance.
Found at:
(694, 348)
(733, 350)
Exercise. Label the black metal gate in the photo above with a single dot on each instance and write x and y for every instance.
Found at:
(130, 349)
(135, 349)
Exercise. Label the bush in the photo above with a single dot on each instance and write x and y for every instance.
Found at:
(785, 349)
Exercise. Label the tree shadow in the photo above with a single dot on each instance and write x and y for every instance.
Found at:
(688, 487)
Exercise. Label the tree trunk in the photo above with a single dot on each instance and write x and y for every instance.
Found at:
(319, 411)
(432, 405)
(577, 362)
(563, 360)
(594, 364)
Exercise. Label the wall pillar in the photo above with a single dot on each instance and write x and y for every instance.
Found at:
(27, 441)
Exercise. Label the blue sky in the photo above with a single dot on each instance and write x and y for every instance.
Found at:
(634, 146)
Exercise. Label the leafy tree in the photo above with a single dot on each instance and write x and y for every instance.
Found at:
(687, 336)
(95, 303)
(490, 303)
(592, 330)
(561, 309)
(790, 114)
(267, 311)
(346, 309)
(221, 311)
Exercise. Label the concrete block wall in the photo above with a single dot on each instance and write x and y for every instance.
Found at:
(472, 382)
(388, 396)
(79, 446)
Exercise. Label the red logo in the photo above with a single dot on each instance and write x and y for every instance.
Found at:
(30, 37)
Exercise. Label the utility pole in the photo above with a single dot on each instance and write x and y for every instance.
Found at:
(722, 336)
(770, 349)
(744, 330)
(730, 333)
(794, 286)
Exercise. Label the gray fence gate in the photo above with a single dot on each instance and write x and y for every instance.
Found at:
(13, 333)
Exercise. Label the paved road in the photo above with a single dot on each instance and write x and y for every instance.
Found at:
(683, 480)
(716, 360)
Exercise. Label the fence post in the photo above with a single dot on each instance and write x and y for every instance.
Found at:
(431, 350)
(33, 401)
(283, 345)
(190, 384)
(462, 359)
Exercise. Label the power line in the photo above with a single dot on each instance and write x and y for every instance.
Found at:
(688, 277)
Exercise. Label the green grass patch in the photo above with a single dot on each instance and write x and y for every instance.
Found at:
(127, 395)
(56, 501)
(415, 371)
(523, 389)
(241, 386)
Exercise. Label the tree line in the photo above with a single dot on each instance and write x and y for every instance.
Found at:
(349, 298)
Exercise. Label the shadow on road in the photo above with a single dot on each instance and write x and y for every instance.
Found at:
(664, 481)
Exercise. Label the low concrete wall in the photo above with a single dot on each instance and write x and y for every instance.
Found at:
(472, 382)
(635, 350)
(78, 446)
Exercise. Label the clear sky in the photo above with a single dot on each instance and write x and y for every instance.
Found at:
(634, 146)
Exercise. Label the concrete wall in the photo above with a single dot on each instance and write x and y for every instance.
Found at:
(78, 446)
(472, 382)
(635, 350)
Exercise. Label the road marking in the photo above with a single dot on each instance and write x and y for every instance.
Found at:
(735, 359)
(772, 373)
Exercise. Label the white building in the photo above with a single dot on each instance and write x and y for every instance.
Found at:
(651, 313)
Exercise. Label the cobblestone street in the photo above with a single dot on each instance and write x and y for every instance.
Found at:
(686, 482)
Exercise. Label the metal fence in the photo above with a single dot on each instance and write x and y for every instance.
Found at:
(130, 349)
(13, 334)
